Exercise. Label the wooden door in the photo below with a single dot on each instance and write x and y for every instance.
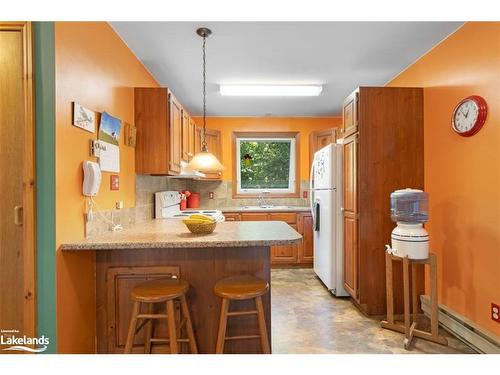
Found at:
(306, 229)
(350, 114)
(186, 123)
(350, 216)
(17, 203)
(175, 135)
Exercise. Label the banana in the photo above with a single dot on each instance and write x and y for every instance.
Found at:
(201, 217)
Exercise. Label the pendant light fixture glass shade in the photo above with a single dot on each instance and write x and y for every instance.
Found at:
(204, 161)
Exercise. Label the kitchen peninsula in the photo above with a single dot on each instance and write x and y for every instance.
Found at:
(160, 248)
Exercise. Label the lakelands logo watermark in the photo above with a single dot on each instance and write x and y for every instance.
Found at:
(22, 343)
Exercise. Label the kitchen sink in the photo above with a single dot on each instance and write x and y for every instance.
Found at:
(266, 207)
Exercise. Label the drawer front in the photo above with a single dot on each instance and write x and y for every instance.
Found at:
(254, 216)
(287, 217)
(232, 217)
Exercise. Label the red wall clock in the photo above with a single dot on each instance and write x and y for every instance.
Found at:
(469, 116)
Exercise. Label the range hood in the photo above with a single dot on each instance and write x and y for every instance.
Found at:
(188, 173)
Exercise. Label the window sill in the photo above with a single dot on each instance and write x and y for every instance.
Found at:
(269, 195)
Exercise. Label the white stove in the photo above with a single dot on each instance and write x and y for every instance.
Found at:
(167, 206)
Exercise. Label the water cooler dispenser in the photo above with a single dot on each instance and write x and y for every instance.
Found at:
(409, 209)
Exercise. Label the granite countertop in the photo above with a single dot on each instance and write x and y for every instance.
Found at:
(172, 233)
(260, 209)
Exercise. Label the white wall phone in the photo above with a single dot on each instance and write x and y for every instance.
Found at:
(91, 178)
(91, 183)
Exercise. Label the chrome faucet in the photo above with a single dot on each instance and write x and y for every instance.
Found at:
(263, 202)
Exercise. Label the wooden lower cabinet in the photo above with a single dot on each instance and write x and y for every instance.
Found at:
(306, 250)
(232, 216)
(120, 281)
(351, 256)
(285, 256)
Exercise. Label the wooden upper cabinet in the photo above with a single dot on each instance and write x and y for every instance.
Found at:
(214, 144)
(191, 139)
(158, 118)
(319, 139)
(350, 114)
(175, 134)
(188, 136)
(185, 135)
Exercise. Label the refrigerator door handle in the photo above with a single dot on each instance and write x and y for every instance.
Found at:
(311, 190)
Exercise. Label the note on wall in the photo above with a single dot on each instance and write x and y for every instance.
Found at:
(109, 135)
(83, 118)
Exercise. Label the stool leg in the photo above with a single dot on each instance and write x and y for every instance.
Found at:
(131, 327)
(221, 335)
(172, 336)
(406, 287)
(149, 330)
(414, 294)
(189, 326)
(434, 298)
(264, 342)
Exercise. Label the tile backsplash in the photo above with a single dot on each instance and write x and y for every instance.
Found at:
(223, 195)
(146, 186)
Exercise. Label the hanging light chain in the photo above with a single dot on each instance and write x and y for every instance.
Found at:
(204, 141)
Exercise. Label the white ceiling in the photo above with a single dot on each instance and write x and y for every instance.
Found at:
(338, 55)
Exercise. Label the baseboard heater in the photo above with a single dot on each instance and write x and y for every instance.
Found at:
(477, 338)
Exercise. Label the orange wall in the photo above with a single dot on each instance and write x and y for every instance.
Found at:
(462, 175)
(96, 69)
(304, 125)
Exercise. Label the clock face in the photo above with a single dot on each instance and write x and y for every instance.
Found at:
(465, 116)
(469, 116)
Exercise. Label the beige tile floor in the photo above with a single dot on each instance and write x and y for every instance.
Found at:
(307, 319)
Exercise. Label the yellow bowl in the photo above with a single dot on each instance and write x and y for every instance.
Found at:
(204, 228)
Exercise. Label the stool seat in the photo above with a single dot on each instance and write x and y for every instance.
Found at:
(165, 290)
(241, 287)
(159, 290)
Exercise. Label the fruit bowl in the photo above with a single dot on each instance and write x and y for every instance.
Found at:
(201, 228)
(200, 224)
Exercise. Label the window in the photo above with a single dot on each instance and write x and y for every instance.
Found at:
(265, 163)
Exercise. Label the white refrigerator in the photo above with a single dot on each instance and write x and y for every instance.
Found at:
(326, 202)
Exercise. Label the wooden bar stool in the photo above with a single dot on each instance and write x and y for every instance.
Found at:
(242, 288)
(158, 291)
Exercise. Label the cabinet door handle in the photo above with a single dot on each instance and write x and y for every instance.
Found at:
(18, 215)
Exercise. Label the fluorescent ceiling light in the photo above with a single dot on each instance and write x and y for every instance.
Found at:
(270, 90)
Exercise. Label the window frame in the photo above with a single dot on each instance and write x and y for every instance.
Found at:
(295, 165)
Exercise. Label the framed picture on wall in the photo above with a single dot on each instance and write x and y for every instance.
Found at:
(84, 118)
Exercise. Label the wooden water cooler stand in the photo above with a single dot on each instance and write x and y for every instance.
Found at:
(410, 324)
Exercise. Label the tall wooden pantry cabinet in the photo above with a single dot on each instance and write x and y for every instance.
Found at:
(383, 151)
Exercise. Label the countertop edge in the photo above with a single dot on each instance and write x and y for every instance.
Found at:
(270, 210)
(178, 245)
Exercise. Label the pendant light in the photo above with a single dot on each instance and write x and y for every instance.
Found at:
(204, 161)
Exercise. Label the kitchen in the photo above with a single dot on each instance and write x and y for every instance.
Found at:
(296, 197)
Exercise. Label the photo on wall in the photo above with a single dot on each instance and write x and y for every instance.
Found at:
(109, 129)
